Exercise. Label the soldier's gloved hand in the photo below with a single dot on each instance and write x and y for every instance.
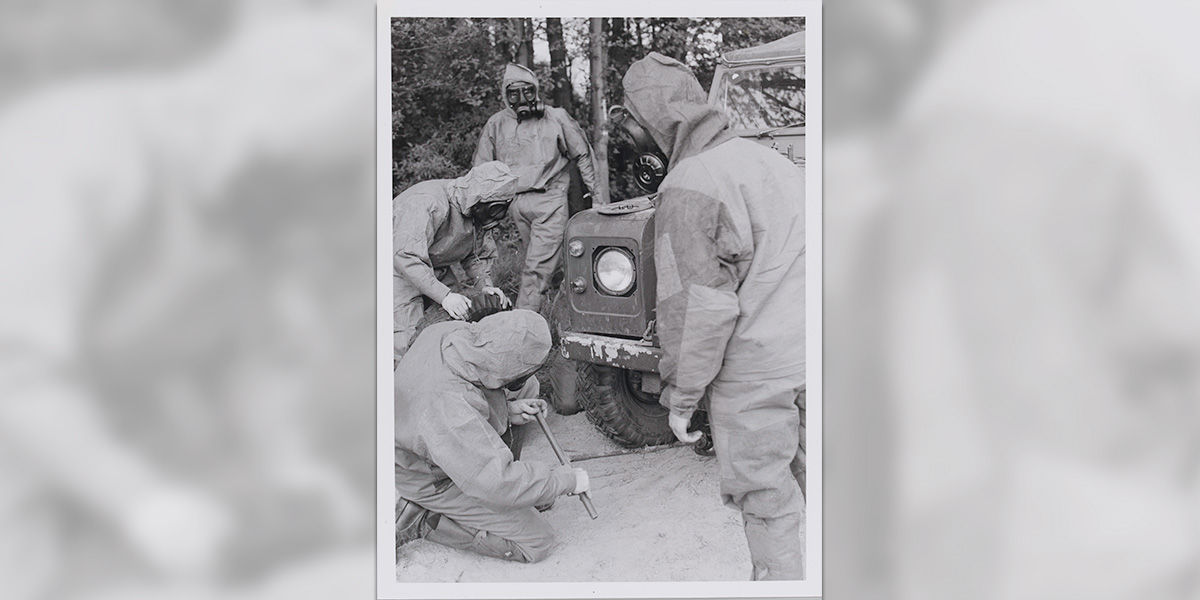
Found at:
(457, 305)
(495, 291)
(525, 410)
(582, 484)
(679, 426)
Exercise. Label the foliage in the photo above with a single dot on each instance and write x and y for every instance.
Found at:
(744, 33)
(445, 84)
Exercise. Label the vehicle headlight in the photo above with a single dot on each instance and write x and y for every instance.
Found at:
(614, 271)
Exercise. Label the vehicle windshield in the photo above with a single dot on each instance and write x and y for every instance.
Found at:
(762, 97)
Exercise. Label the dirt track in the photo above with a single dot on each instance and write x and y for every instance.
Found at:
(661, 519)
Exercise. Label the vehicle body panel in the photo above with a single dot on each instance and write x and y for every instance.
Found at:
(591, 310)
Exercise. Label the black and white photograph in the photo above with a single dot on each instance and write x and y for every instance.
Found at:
(599, 238)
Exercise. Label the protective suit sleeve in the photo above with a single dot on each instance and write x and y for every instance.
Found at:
(485, 150)
(478, 264)
(413, 225)
(464, 445)
(695, 243)
(578, 149)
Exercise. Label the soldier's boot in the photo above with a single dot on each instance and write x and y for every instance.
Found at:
(413, 522)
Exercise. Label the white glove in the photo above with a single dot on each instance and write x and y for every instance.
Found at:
(495, 291)
(679, 426)
(178, 530)
(525, 410)
(581, 481)
(457, 305)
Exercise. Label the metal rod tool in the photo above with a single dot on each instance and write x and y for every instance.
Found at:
(562, 458)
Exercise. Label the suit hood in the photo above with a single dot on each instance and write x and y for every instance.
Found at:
(499, 349)
(517, 74)
(665, 97)
(488, 182)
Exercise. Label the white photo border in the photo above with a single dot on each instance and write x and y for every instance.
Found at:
(386, 584)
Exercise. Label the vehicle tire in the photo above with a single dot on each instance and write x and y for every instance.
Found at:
(619, 409)
(563, 379)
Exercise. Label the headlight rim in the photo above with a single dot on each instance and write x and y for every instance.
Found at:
(629, 258)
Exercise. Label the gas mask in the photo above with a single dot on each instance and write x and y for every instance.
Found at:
(523, 98)
(515, 386)
(650, 166)
(486, 215)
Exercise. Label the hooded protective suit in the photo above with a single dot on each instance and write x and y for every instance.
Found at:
(729, 251)
(539, 149)
(432, 230)
(450, 412)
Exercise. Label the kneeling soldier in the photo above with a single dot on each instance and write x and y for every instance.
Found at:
(457, 482)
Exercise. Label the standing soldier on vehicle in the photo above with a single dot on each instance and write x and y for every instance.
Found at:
(540, 141)
(436, 224)
(729, 250)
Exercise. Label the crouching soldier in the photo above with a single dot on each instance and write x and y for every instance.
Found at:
(457, 482)
(437, 224)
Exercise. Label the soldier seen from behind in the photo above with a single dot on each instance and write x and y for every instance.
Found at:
(729, 250)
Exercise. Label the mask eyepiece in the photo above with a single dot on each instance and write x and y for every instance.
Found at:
(487, 215)
(523, 99)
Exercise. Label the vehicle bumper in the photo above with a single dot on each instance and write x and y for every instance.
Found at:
(635, 355)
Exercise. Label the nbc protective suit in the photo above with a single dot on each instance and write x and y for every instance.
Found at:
(450, 411)
(729, 250)
(431, 231)
(540, 148)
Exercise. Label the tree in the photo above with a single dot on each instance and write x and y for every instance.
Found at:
(445, 84)
(599, 107)
(525, 42)
(561, 94)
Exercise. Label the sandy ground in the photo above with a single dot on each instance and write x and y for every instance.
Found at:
(661, 519)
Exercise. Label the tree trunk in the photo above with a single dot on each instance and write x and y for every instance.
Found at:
(525, 43)
(558, 64)
(616, 28)
(499, 31)
(599, 111)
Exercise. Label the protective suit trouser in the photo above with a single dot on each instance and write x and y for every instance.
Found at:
(756, 428)
(541, 219)
(519, 535)
(408, 306)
